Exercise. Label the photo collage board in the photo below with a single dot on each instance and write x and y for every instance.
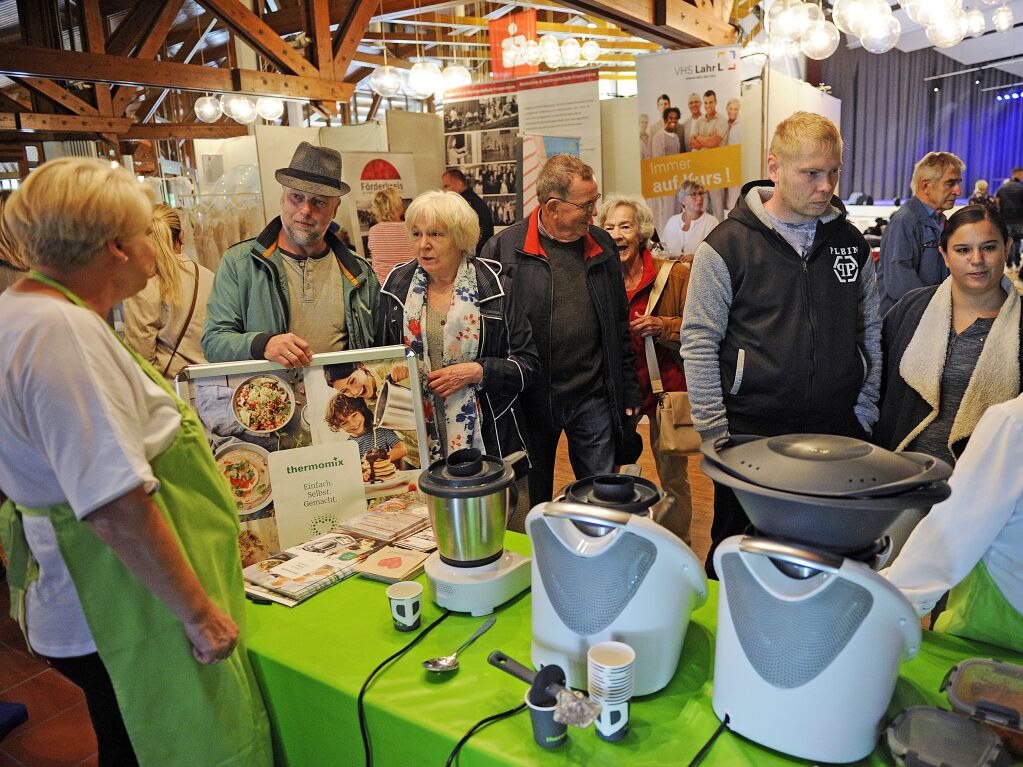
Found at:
(305, 448)
(481, 127)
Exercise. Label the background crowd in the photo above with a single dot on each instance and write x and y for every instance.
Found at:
(773, 317)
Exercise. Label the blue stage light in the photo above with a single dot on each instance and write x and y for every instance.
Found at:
(998, 98)
(1015, 95)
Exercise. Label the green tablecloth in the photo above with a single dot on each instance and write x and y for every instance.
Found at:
(312, 659)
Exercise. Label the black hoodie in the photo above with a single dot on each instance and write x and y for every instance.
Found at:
(774, 344)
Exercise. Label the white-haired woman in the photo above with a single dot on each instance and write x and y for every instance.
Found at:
(630, 223)
(120, 532)
(388, 242)
(686, 230)
(475, 347)
(164, 321)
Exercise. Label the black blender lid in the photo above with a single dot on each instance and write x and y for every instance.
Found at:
(615, 491)
(806, 487)
(825, 465)
(466, 473)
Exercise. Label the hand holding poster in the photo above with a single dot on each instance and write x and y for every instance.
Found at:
(697, 142)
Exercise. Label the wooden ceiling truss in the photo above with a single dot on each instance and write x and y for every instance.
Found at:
(134, 69)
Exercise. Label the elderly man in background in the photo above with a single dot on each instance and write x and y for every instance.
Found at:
(780, 332)
(295, 290)
(909, 247)
(455, 181)
(567, 277)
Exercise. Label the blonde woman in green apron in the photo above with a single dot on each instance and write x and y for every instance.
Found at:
(973, 542)
(120, 533)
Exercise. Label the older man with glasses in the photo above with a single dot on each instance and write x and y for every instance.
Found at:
(567, 278)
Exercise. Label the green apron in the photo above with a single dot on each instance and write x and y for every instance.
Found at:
(176, 711)
(978, 610)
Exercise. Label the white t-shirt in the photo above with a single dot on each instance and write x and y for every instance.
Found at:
(677, 242)
(981, 521)
(71, 397)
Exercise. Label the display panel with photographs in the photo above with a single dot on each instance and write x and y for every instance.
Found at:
(502, 209)
(498, 145)
(462, 149)
(367, 398)
(482, 114)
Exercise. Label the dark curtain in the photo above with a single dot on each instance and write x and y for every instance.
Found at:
(891, 118)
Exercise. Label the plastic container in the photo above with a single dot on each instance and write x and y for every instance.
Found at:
(923, 736)
(990, 691)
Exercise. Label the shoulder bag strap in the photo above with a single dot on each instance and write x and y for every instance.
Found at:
(188, 320)
(648, 343)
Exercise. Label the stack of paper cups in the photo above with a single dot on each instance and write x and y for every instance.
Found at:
(612, 676)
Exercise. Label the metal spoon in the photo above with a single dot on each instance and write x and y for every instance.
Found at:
(447, 663)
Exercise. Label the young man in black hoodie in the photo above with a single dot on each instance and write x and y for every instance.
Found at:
(781, 332)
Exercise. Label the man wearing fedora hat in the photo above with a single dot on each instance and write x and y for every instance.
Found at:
(295, 290)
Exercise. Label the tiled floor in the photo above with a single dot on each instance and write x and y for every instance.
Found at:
(58, 732)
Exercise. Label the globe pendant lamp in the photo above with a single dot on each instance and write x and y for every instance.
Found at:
(269, 108)
(1002, 18)
(208, 109)
(820, 40)
(239, 108)
(975, 23)
(571, 52)
(850, 15)
(591, 50)
(385, 80)
(455, 76)
(425, 78)
(795, 20)
(945, 32)
(881, 36)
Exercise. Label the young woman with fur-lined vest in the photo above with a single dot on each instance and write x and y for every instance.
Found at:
(952, 350)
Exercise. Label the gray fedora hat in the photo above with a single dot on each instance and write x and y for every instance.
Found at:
(314, 170)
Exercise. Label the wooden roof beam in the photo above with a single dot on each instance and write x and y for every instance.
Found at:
(50, 90)
(27, 61)
(148, 47)
(133, 26)
(30, 122)
(673, 23)
(183, 55)
(255, 32)
(164, 131)
(10, 103)
(378, 61)
(94, 32)
(318, 26)
(350, 31)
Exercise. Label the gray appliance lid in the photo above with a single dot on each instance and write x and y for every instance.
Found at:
(466, 473)
(825, 465)
(615, 491)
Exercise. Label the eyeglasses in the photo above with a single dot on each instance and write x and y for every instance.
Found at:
(589, 207)
(697, 194)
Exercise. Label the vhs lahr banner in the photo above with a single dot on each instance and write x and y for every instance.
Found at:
(689, 128)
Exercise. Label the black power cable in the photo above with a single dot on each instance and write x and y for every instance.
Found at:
(706, 746)
(479, 726)
(363, 726)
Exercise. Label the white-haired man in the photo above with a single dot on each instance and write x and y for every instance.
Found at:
(909, 247)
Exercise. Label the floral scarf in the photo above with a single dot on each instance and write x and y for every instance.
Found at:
(461, 344)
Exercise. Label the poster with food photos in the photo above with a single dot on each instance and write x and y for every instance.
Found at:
(368, 399)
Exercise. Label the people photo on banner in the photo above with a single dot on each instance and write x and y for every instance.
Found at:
(689, 111)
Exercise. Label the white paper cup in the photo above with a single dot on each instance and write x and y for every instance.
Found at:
(406, 598)
(611, 668)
